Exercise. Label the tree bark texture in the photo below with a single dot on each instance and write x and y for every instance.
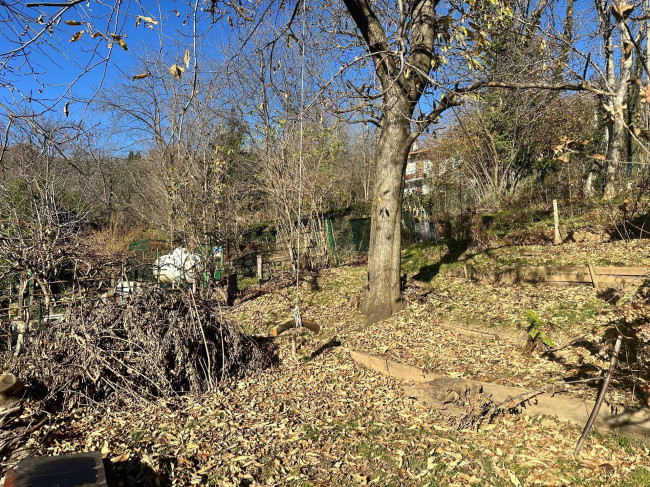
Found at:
(588, 186)
(383, 296)
(402, 83)
(617, 106)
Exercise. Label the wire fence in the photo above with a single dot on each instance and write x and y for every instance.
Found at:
(28, 304)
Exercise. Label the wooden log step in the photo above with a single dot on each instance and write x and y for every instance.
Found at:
(581, 279)
(621, 271)
(583, 269)
(555, 269)
(430, 387)
(289, 324)
(393, 369)
(608, 276)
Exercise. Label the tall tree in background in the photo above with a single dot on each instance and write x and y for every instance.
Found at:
(408, 43)
(616, 107)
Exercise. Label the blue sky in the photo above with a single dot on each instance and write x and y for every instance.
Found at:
(55, 63)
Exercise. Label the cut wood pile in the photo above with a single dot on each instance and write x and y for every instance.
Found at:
(156, 344)
(17, 422)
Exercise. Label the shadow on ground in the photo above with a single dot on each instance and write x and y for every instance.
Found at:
(269, 346)
(428, 272)
(133, 471)
(332, 343)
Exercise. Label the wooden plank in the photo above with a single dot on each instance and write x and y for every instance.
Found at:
(550, 403)
(604, 282)
(562, 283)
(583, 279)
(617, 280)
(565, 277)
(569, 275)
(621, 271)
(556, 269)
(594, 276)
(430, 387)
(393, 369)
(606, 270)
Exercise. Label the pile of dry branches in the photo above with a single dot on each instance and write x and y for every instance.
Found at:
(157, 344)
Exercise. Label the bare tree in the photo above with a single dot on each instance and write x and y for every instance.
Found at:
(616, 105)
(39, 230)
(407, 60)
(425, 57)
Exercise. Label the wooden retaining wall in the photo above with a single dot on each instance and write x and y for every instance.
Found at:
(599, 277)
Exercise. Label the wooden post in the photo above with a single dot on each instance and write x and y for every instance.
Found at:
(260, 274)
(557, 239)
(231, 288)
(594, 277)
(518, 277)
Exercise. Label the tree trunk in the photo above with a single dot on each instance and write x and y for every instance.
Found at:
(588, 188)
(383, 296)
(617, 111)
(402, 88)
(615, 154)
(47, 291)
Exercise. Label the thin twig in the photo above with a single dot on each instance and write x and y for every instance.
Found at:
(205, 343)
(601, 396)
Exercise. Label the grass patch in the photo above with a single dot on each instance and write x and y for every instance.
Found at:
(311, 432)
(246, 282)
(640, 478)
(569, 313)
(425, 260)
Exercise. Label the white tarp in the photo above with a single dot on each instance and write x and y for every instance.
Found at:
(178, 266)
